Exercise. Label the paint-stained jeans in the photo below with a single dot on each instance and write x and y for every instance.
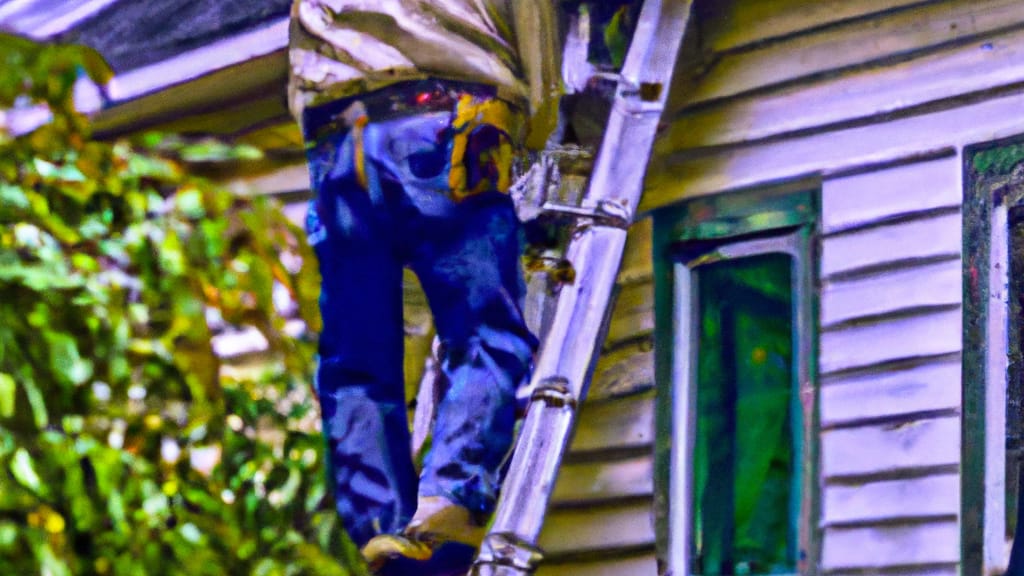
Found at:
(466, 255)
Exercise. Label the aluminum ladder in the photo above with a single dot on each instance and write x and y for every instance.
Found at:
(572, 343)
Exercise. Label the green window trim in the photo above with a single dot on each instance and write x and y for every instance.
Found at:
(993, 197)
(686, 237)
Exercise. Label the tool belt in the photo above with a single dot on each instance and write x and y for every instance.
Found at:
(483, 128)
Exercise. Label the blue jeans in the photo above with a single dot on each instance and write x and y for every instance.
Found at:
(467, 257)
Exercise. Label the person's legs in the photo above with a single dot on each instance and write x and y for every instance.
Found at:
(466, 254)
(468, 264)
(359, 379)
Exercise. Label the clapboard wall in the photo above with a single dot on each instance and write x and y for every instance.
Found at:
(873, 102)
(889, 368)
(600, 522)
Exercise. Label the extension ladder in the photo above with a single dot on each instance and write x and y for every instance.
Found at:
(572, 334)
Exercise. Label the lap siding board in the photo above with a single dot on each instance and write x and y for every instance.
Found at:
(890, 439)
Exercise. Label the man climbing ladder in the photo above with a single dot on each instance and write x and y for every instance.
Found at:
(412, 112)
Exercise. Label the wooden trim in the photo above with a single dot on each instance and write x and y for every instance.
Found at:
(272, 37)
(976, 214)
(42, 19)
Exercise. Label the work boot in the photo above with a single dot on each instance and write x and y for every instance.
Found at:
(439, 520)
(385, 547)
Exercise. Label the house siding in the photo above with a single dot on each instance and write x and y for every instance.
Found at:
(873, 103)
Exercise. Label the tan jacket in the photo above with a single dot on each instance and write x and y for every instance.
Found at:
(341, 48)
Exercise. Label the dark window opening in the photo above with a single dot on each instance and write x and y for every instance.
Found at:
(1014, 403)
(746, 455)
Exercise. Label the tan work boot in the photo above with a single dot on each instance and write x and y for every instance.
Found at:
(438, 520)
(384, 547)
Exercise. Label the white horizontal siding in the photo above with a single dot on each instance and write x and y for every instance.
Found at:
(892, 499)
(675, 177)
(624, 423)
(628, 525)
(924, 388)
(731, 25)
(934, 237)
(891, 291)
(890, 448)
(853, 43)
(894, 339)
(984, 64)
(891, 546)
(623, 371)
(633, 315)
(864, 198)
(608, 479)
(934, 284)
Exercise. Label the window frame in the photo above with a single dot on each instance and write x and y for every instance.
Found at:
(713, 229)
(988, 201)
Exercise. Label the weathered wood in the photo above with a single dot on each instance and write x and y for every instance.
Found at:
(935, 236)
(580, 483)
(598, 528)
(988, 63)
(891, 546)
(646, 565)
(623, 371)
(224, 101)
(633, 315)
(935, 284)
(736, 23)
(624, 423)
(864, 198)
(280, 139)
(892, 499)
(888, 448)
(884, 37)
(911, 337)
(636, 258)
(919, 389)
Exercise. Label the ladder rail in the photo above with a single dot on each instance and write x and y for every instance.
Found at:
(562, 371)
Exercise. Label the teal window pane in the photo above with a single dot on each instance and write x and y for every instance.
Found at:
(747, 445)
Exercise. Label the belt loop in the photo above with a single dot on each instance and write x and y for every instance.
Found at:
(357, 118)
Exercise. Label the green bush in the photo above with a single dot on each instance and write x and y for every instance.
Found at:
(113, 262)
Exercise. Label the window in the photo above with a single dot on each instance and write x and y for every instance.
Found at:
(993, 421)
(736, 400)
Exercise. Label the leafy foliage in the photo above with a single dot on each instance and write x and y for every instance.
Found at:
(125, 446)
